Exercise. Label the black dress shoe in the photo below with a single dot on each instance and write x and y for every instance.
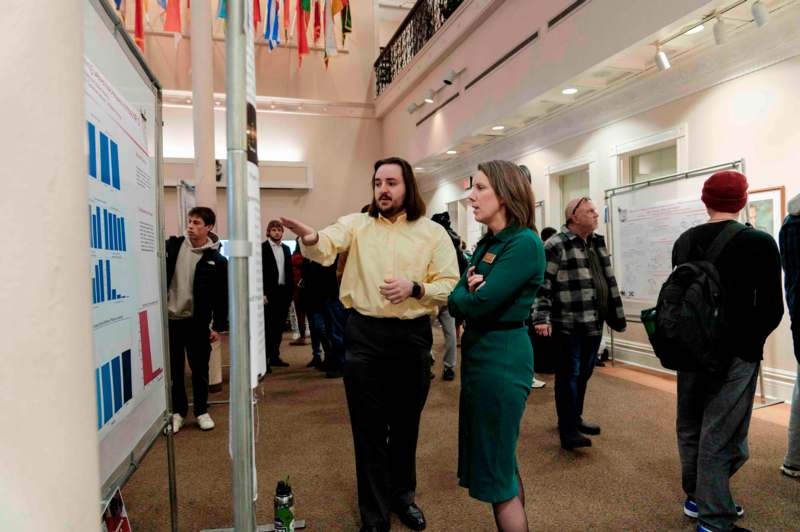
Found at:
(411, 516)
(574, 442)
(333, 374)
(584, 427)
(448, 374)
(278, 363)
(315, 362)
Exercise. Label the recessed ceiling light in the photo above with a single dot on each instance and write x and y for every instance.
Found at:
(419, 168)
(218, 104)
(272, 106)
(299, 107)
(451, 152)
(188, 100)
(324, 108)
(696, 29)
(569, 91)
(498, 128)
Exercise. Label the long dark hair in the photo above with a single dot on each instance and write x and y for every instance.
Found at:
(413, 203)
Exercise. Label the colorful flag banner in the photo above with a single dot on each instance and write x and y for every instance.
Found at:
(272, 32)
(330, 33)
(256, 15)
(222, 10)
(173, 22)
(303, 16)
(138, 26)
(347, 22)
(317, 21)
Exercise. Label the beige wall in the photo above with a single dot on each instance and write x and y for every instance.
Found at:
(340, 152)
(751, 117)
(348, 78)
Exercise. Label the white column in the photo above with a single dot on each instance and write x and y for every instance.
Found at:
(49, 449)
(203, 122)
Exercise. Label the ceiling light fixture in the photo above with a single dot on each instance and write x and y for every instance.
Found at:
(760, 13)
(661, 59)
(569, 91)
(498, 128)
(429, 96)
(299, 107)
(695, 30)
(272, 106)
(451, 152)
(188, 100)
(450, 77)
(412, 107)
(419, 168)
(720, 31)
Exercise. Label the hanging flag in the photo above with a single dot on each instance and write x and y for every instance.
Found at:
(222, 10)
(286, 24)
(303, 16)
(256, 15)
(330, 37)
(173, 22)
(272, 32)
(317, 21)
(347, 23)
(121, 7)
(163, 4)
(336, 6)
(138, 28)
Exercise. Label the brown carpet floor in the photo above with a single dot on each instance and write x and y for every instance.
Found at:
(629, 479)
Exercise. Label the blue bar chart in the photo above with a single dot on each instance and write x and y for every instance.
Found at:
(106, 230)
(113, 382)
(109, 157)
(102, 284)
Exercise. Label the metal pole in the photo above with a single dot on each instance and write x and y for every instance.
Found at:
(241, 410)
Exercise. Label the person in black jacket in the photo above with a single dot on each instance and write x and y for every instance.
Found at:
(278, 275)
(714, 408)
(197, 297)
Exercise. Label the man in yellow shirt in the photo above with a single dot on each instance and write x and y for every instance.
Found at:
(400, 268)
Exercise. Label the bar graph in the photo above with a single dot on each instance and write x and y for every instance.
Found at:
(102, 285)
(109, 156)
(147, 359)
(113, 382)
(106, 230)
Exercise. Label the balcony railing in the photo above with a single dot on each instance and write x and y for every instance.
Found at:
(424, 19)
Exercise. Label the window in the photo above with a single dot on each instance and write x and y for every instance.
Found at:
(652, 164)
(574, 184)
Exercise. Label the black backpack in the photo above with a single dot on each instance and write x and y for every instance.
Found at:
(689, 318)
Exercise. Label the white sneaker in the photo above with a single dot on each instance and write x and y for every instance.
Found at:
(537, 383)
(205, 422)
(177, 423)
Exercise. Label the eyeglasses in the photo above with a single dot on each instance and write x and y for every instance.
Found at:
(575, 209)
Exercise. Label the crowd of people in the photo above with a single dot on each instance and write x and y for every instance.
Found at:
(370, 284)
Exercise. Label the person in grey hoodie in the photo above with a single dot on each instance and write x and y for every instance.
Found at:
(790, 256)
(197, 303)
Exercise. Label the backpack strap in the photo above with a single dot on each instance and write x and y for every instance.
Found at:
(683, 248)
(722, 239)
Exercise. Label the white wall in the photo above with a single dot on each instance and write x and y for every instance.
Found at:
(751, 117)
(340, 151)
(49, 477)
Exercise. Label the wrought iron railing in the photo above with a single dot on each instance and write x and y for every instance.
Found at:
(424, 19)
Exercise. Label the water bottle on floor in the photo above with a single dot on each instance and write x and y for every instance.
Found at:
(284, 507)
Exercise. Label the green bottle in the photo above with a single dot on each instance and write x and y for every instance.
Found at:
(284, 507)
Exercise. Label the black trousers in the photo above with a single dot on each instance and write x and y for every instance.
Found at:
(275, 312)
(386, 379)
(192, 338)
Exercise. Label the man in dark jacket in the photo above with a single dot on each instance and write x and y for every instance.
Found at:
(714, 408)
(790, 253)
(578, 295)
(278, 275)
(197, 297)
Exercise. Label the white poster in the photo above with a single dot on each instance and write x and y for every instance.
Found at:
(125, 269)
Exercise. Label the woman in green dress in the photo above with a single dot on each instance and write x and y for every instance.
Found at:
(494, 297)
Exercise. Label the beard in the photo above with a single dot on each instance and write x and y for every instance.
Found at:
(390, 210)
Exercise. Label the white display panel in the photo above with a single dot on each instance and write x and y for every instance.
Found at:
(123, 208)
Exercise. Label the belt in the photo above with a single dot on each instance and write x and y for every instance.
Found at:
(495, 325)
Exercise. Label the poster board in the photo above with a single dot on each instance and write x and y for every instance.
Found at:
(123, 153)
(644, 221)
(187, 200)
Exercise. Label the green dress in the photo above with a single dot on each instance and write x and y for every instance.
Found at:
(497, 360)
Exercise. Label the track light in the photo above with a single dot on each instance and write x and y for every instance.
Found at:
(662, 61)
(450, 77)
(760, 13)
(429, 96)
(412, 107)
(720, 31)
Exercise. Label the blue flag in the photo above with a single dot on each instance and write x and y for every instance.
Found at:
(272, 26)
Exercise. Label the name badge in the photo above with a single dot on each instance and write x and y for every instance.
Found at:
(489, 258)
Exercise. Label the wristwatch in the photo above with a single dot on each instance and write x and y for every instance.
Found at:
(416, 292)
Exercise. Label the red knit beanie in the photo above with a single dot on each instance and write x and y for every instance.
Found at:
(725, 191)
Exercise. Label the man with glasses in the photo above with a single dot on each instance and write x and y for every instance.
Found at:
(579, 294)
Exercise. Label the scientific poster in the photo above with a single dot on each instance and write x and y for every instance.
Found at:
(125, 269)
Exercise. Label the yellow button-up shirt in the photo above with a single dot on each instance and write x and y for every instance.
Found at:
(378, 250)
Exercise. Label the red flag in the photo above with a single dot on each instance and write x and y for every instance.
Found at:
(317, 22)
(138, 31)
(286, 22)
(256, 15)
(173, 22)
(302, 30)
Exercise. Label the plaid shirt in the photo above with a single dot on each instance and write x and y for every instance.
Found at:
(790, 255)
(566, 298)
